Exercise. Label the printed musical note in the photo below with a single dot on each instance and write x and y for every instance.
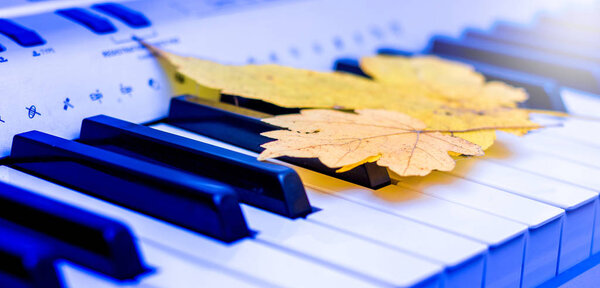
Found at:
(32, 111)
(96, 96)
(67, 104)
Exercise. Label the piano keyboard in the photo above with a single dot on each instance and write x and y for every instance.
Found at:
(109, 181)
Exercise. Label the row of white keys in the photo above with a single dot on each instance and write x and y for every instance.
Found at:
(246, 257)
(169, 271)
(580, 204)
(520, 156)
(560, 160)
(358, 256)
(567, 161)
(574, 151)
(563, 148)
(504, 237)
(544, 221)
(583, 131)
(463, 258)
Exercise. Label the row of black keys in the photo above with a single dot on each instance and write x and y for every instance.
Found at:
(198, 185)
(541, 58)
(185, 182)
(191, 184)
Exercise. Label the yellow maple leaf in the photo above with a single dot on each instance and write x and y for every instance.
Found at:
(341, 139)
(300, 88)
(456, 83)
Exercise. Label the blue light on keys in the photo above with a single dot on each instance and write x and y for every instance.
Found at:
(577, 74)
(524, 220)
(74, 234)
(132, 18)
(26, 260)
(95, 23)
(21, 35)
(217, 122)
(194, 202)
(271, 187)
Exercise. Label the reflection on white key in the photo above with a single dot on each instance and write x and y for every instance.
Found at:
(574, 151)
(563, 148)
(505, 238)
(580, 103)
(463, 258)
(544, 221)
(246, 257)
(520, 156)
(574, 129)
(579, 203)
(390, 266)
(170, 271)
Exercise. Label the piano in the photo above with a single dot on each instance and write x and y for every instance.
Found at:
(117, 173)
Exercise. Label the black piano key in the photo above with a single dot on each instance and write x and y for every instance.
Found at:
(394, 51)
(90, 240)
(272, 187)
(562, 50)
(26, 261)
(349, 65)
(543, 93)
(257, 105)
(575, 74)
(194, 202)
(542, 33)
(586, 23)
(242, 127)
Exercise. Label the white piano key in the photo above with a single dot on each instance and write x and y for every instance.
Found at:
(563, 148)
(573, 129)
(579, 203)
(504, 237)
(246, 257)
(463, 260)
(580, 103)
(168, 271)
(544, 221)
(393, 267)
(572, 151)
(516, 154)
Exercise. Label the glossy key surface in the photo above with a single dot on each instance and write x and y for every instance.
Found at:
(194, 202)
(23, 36)
(563, 50)
(94, 22)
(26, 260)
(577, 74)
(463, 263)
(242, 127)
(87, 239)
(505, 239)
(544, 93)
(268, 186)
(130, 17)
(247, 258)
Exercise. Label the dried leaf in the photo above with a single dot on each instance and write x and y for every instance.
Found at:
(299, 88)
(453, 82)
(346, 140)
